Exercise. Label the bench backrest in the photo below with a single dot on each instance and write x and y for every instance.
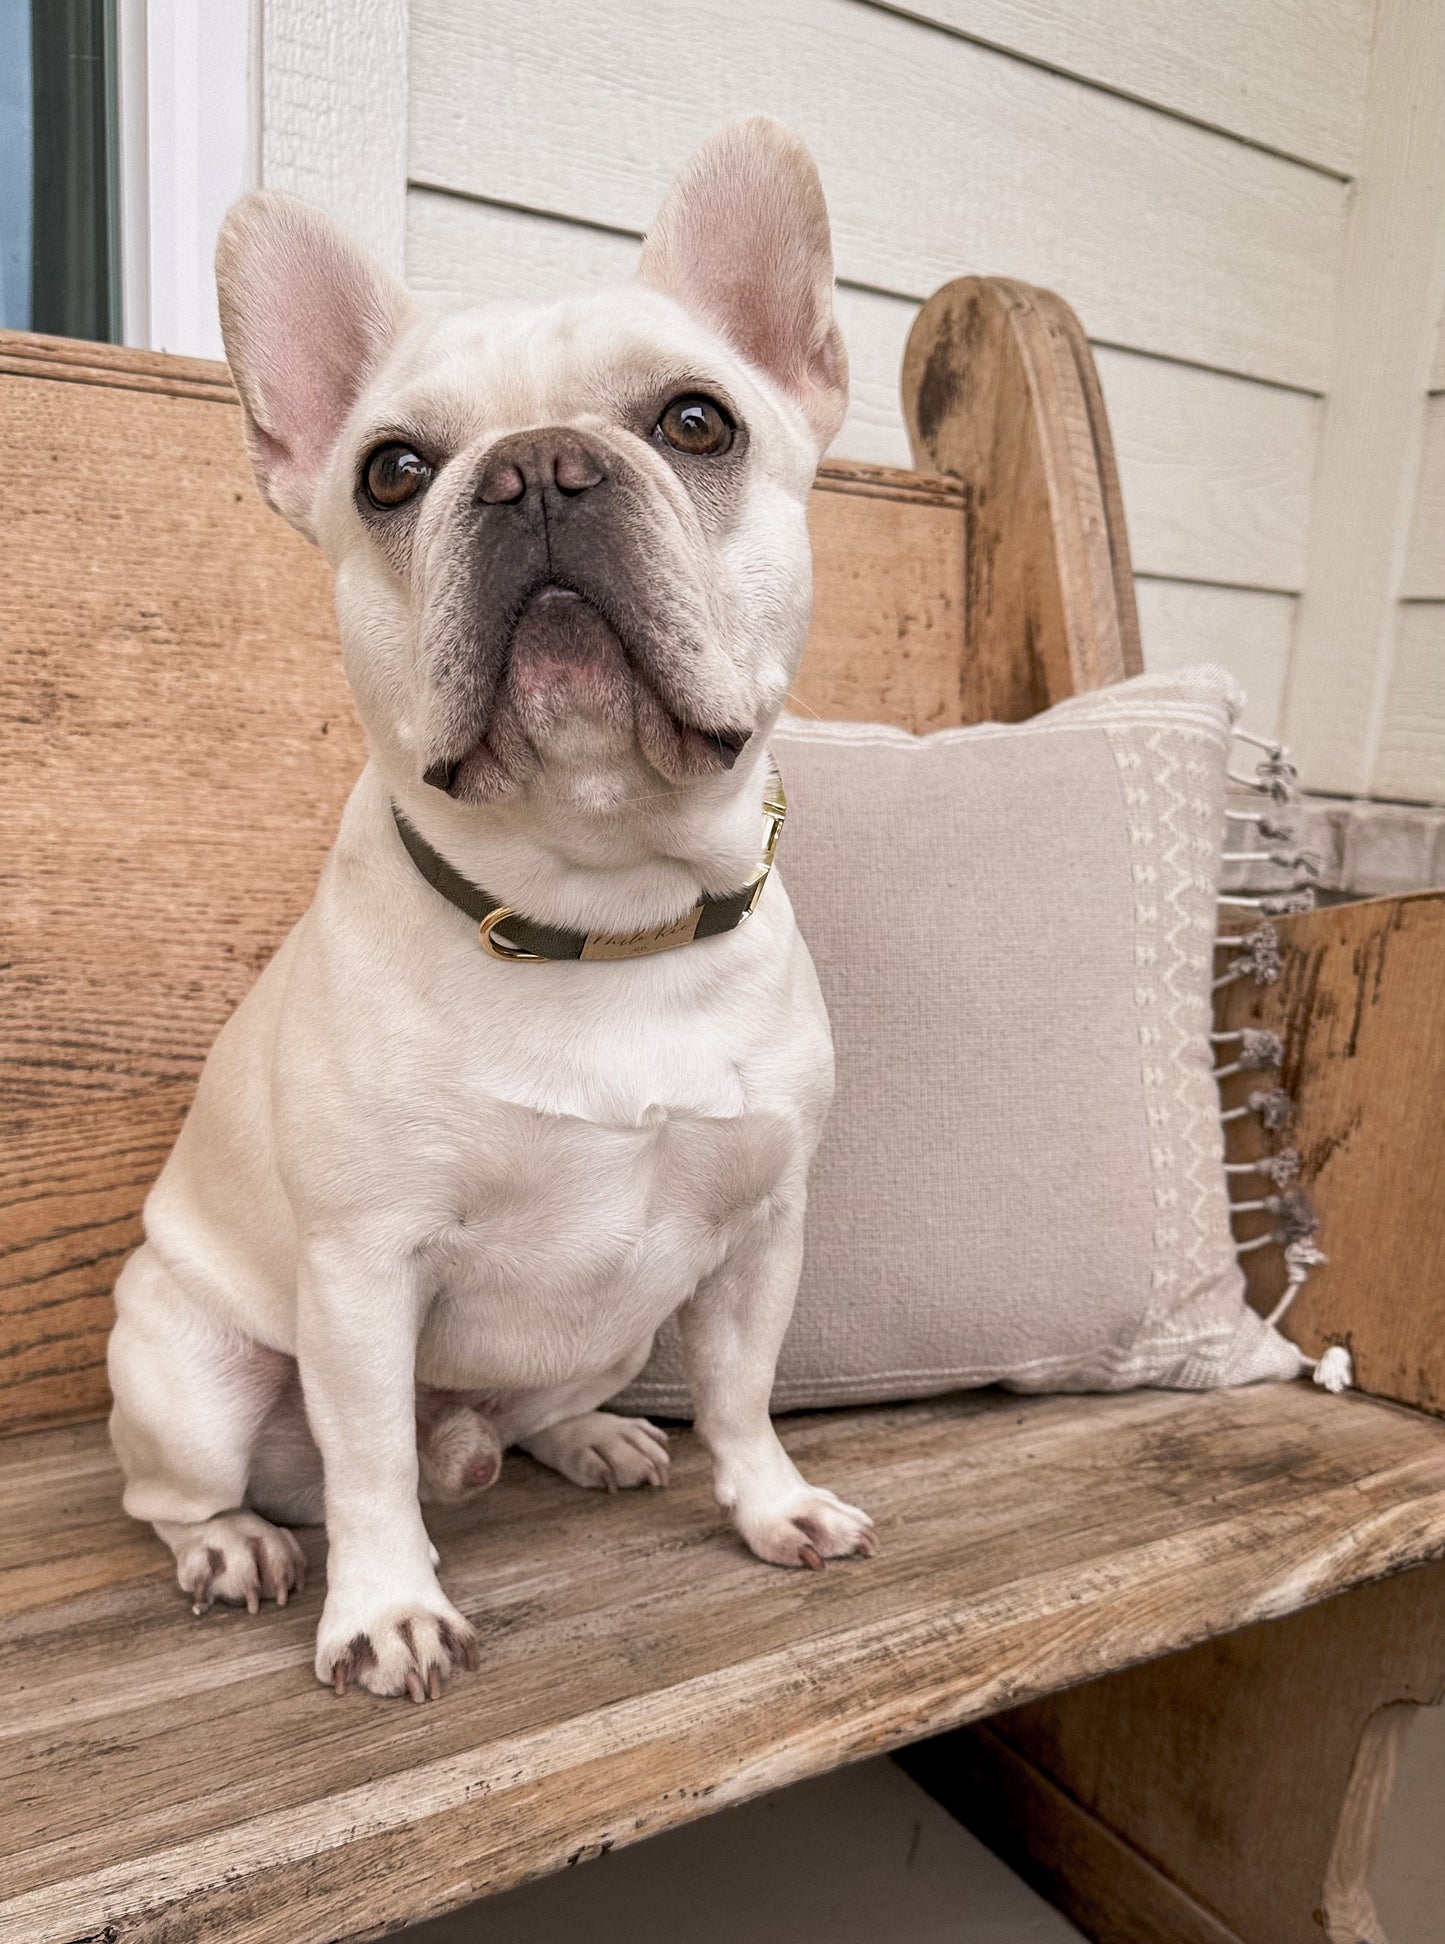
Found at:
(178, 739)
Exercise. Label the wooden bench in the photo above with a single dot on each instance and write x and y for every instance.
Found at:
(1160, 1643)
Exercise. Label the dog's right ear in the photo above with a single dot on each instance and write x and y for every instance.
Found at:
(307, 315)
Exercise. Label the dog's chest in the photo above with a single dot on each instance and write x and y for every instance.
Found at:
(575, 1238)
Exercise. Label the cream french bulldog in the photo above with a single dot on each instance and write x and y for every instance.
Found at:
(444, 1193)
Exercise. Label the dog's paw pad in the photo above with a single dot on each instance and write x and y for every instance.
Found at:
(241, 1559)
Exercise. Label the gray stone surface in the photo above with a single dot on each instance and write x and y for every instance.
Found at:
(1362, 849)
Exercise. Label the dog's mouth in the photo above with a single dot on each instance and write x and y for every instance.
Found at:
(570, 682)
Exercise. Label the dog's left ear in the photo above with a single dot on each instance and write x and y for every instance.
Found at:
(742, 241)
(307, 315)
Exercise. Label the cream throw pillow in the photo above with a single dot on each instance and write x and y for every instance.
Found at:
(1021, 1181)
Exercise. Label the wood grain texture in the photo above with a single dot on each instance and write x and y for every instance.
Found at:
(1290, 76)
(1228, 1795)
(1215, 470)
(639, 1668)
(1166, 237)
(999, 390)
(32, 354)
(178, 742)
(888, 604)
(1100, 1882)
(1361, 1007)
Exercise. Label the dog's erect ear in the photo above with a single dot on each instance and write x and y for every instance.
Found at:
(742, 241)
(307, 315)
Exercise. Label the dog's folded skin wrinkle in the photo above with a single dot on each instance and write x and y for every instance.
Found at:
(558, 517)
(446, 1201)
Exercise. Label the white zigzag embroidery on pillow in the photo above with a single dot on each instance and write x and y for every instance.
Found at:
(1171, 817)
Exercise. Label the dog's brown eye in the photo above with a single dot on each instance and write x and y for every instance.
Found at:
(696, 425)
(393, 475)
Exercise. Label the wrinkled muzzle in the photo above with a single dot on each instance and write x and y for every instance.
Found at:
(567, 566)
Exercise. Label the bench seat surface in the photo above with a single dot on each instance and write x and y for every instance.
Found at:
(180, 1778)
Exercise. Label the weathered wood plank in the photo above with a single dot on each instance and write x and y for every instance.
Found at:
(1361, 1007)
(1232, 1793)
(177, 741)
(1167, 238)
(999, 389)
(638, 1667)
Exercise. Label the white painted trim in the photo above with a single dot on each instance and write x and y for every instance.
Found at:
(187, 150)
(335, 113)
(1392, 285)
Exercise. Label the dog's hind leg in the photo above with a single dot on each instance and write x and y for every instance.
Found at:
(598, 1449)
(189, 1400)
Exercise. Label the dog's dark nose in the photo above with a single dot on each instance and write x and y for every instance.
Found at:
(553, 460)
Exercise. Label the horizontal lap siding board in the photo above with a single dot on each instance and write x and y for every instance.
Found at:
(1215, 470)
(1247, 632)
(1424, 577)
(1289, 75)
(1411, 760)
(1165, 237)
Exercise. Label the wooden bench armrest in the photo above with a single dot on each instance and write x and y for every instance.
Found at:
(1361, 1008)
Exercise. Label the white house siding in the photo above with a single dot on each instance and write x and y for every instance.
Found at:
(1183, 171)
(1410, 763)
(1199, 239)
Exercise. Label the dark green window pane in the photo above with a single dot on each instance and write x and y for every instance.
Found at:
(16, 137)
(72, 224)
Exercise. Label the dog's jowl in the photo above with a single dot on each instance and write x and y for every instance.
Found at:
(545, 1061)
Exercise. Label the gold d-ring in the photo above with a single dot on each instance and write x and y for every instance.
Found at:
(499, 948)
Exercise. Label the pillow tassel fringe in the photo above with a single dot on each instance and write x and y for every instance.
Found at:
(1334, 1371)
(1257, 955)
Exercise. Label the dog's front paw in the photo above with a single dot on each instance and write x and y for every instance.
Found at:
(240, 1558)
(409, 1648)
(805, 1528)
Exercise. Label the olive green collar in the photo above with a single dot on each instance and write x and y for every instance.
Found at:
(507, 934)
